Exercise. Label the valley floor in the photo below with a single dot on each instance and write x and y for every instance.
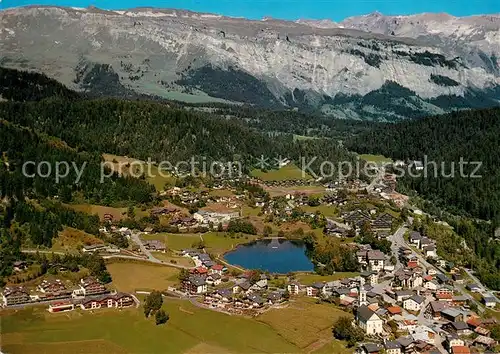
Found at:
(189, 330)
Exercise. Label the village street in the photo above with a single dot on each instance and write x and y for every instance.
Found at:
(398, 241)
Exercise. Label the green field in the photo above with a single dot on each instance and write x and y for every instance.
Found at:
(189, 330)
(328, 211)
(285, 173)
(214, 241)
(131, 276)
(375, 158)
(304, 323)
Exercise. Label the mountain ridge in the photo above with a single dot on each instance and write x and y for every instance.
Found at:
(178, 53)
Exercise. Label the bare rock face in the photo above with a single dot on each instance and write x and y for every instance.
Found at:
(368, 67)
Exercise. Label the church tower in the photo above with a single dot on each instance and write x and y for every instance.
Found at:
(362, 293)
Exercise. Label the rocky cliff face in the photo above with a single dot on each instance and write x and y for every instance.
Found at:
(370, 67)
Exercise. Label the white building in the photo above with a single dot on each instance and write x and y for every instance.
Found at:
(369, 321)
(414, 303)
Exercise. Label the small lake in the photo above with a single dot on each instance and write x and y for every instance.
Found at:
(275, 256)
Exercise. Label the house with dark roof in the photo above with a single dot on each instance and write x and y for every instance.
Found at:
(489, 301)
(15, 295)
(194, 285)
(473, 288)
(383, 222)
(369, 321)
(371, 348)
(452, 314)
(392, 347)
(413, 303)
(256, 300)
(460, 328)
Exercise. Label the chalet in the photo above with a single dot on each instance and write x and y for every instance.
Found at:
(414, 303)
(452, 314)
(243, 286)
(62, 306)
(293, 288)
(15, 296)
(256, 300)
(445, 290)
(333, 230)
(275, 297)
(226, 295)
(485, 341)
(407, 278)
(460, 328)
(315, 289)
(370, 348)
(183, 221)
(155, 245)
(430, 251)
(424, 242)
(473, 288)
(356, 219)
(383, 222)
(458, 278)
(89, 286)
(392, 347)
(214, 279)
(160, 211)
(369, 321)
(434, 309)
(443, 279)
(415, 238)
(458, 301)
(407, 344)
(489, 301)
(402, 295)
(194, 285)
(216, 269)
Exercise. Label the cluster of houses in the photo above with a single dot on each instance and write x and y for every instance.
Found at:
(422, 310)
(88, 294)
(424, 244)
(206, 218)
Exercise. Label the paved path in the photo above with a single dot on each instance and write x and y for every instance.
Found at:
(118, 256)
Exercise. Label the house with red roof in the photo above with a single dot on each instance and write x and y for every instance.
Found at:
(218, 268)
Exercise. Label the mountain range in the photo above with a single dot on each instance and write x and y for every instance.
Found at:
(371, 67)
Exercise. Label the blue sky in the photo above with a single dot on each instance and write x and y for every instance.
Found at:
(289, 9)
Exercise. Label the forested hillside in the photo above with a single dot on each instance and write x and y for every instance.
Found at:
(28, 86)
(472, 135)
